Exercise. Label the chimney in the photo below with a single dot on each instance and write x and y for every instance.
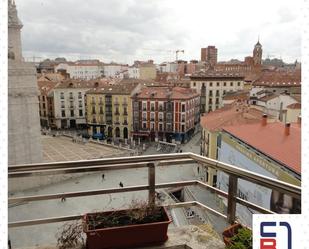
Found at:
(299, 120)
(287, 129)
(264, 120)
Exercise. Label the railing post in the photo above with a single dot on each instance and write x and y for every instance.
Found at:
(231, 205)
(151, 183)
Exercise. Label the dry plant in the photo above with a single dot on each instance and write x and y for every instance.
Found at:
(137, 212)
(71, 235)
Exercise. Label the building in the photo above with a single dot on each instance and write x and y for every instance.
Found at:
(231, 98)
(270, 149)
(133, 72)
(147, 70)
(212, 86)
(46, 103)
(273, 104)
(293, 113)
(69, 102)
(278, 82)
(80, 70)
(24, 135)
(109, 110)
(210, 55)
(212, 124)
(113, 69)
(249, 65)
(165, 113)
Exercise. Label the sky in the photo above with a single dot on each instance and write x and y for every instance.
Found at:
(127, 30)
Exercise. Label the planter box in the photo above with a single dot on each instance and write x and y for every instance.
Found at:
(229, 232)
(128, 235)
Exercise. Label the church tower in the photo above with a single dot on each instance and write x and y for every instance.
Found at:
(257, 54)
(24, 133)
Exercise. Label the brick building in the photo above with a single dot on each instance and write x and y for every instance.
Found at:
(209, 54)
(165, 113)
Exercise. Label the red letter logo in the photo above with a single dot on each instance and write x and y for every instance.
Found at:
(267, 244)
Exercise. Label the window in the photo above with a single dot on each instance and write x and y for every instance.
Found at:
(224, 83)
(125, 112)
(62, 113)
(93, 110)
(61, 95)
(117, 110)
(101, 110)
(160, 106)
(182, 128)
(80, 112)
(71, 104)
(72, 113)
(71, 95)
(152, 115)
(144, 125)
(43, 98)
(183, 107)
(183, 118)
(144, 106)
(79, 95)
(210, 93)
(210, 84)
(152, 106)
(224, 91)
(80, 104)
(169, 116)
(231, 84)
(144, 116)
(160, 117)
(194, 84)
(218, 83)
(43, 104)
(217, 92)
(160, 127)
(169, 127)
(152, 126)
(238, 83)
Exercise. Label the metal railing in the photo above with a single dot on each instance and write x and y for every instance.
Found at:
(150, 162)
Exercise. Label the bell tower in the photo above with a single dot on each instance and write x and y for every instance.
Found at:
(257, 53)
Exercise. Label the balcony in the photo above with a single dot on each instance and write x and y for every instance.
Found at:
(125, 113)
(117, 113)
(151, 164)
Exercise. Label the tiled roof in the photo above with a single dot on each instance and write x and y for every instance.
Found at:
(46, 86)
(120, 89)
(163, 92)
(272, 141)
(217, 74)
(294, 106)
(236, 95)
(71, 83)
(232, 115)
(268, 97)
(279, 79)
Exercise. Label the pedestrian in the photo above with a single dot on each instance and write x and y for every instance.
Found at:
(121, 184)
(9, 244)
(63, 199)
(103, 177)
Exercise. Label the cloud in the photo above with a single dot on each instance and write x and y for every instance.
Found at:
(125, 30)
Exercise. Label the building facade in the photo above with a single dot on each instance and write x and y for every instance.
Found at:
(109, 110)
(69, 102)
(212, 86)
(263, 148)
(165, 113)
(210, 55)
(82, 71)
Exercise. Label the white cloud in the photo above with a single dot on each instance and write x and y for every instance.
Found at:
(119, 30)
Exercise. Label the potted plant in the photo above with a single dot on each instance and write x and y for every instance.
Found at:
(139, 225)
(237, 237)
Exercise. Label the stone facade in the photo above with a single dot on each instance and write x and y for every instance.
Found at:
(24, 136)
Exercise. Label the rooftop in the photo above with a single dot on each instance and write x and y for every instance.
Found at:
(214, 121)
(167, 92)
(217, 74)
(272, 141)
(279, 79)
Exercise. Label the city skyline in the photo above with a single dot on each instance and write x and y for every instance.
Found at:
(125, 31)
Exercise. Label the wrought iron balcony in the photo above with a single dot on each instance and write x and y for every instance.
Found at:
(151, 162)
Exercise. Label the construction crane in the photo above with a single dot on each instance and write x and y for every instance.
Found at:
(166, 51)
